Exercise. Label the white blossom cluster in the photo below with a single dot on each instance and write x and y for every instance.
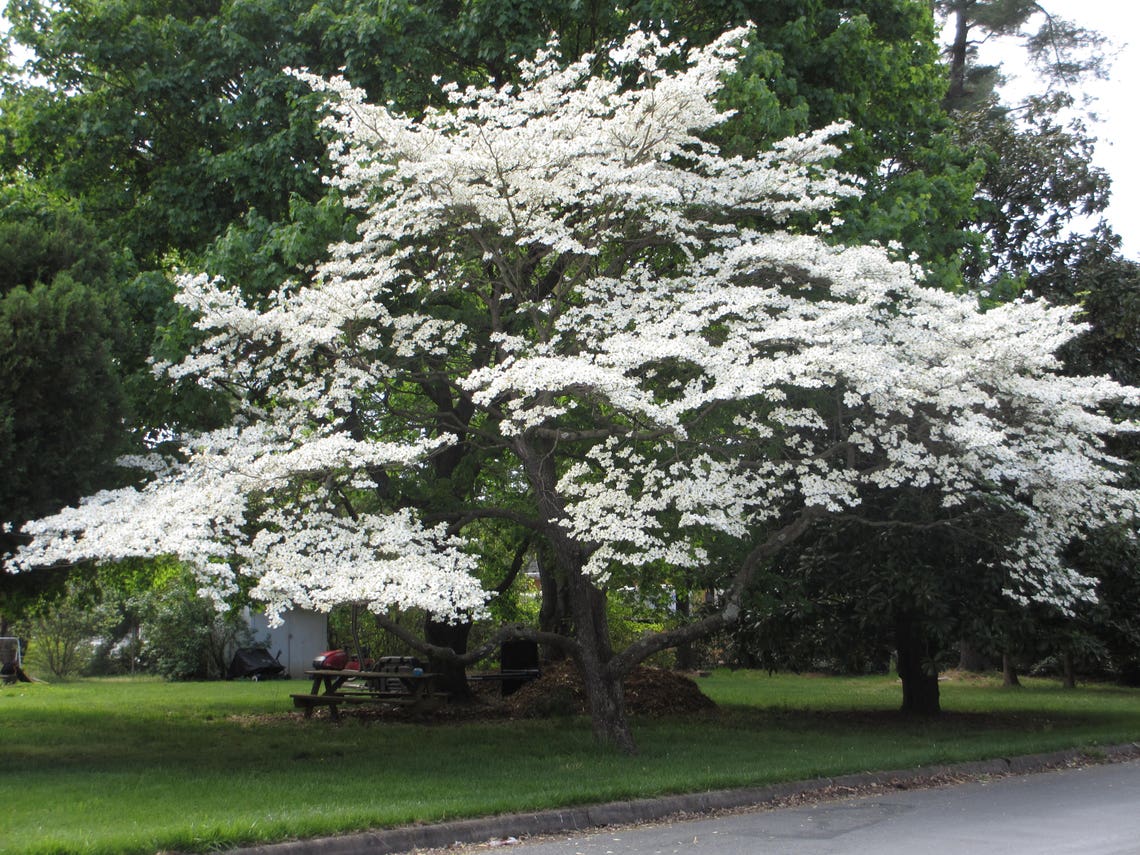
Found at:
(563, 160)
(573, 259)
(640, 511)
(302, 552)
(317, 559)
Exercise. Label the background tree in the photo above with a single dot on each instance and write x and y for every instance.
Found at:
(185, 636)
(61, 400)
(1091, 272)
(1038, 190)
(60, 632)
(1036, 184)
(1039, 184)
(1060, 51)
(907, 581)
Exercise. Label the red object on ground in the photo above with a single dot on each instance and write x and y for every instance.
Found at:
(337, 660)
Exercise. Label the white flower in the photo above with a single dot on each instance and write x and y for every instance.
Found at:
(555, 277)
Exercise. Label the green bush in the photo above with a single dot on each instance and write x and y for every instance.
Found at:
(61, 633)
(185, 637)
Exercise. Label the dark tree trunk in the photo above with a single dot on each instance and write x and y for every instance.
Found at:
(686, 652)
(916, 667)
(453, 675)
(957, 59)
(587, 604)
(970, 658)
(452, 417)
(1008, 671)
(1069, 674)
(553, 614)
(605, 693)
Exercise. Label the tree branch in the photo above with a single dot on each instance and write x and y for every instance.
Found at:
(598, 434)
(516, 565)
(729, 612)
(458, 519)
(507, 633)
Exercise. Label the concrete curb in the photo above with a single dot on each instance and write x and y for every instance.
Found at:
(468, 831)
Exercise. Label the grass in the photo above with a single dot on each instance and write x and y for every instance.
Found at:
(132, 766)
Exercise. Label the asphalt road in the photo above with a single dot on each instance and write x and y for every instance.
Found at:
(1093, 810)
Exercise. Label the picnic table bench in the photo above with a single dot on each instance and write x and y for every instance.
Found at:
(404, 687)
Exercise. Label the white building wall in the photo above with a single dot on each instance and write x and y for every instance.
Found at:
(300, 637)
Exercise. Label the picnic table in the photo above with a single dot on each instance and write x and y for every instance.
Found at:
(404, 687)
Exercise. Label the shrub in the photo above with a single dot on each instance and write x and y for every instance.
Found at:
(185, 637)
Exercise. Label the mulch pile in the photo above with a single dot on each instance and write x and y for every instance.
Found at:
(559, 691)
(648, 691)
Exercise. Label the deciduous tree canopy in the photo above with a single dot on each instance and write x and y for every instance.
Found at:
(642, 354)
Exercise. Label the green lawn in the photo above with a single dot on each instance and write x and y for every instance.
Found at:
(118, 766)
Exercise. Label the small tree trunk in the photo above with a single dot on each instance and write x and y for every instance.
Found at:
(1069, 678)
(916, 669)
(1008, 671)
(135, 646)
(970, 659)
(552, 614)
(686, 652)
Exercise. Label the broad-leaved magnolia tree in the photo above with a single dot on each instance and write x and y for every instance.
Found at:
(631, 346)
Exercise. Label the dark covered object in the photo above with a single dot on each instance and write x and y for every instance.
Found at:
(518, 661)
(254, 662)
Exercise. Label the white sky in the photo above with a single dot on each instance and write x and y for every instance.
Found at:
(1117, 104)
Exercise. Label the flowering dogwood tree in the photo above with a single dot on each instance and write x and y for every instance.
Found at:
(578, 318)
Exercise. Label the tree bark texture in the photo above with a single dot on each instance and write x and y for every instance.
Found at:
(587, 604)
(1008, 671)
(970, 658)
(605, 693)
(553, 615)
(452, 672)
(958, 54)
(686, 651)
(1068, 671)
(916, 667)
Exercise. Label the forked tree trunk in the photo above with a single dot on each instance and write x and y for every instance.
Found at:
(605, 693)
(916, 667)
(587, 604)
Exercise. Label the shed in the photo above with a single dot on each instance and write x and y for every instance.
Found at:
(300, 636)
